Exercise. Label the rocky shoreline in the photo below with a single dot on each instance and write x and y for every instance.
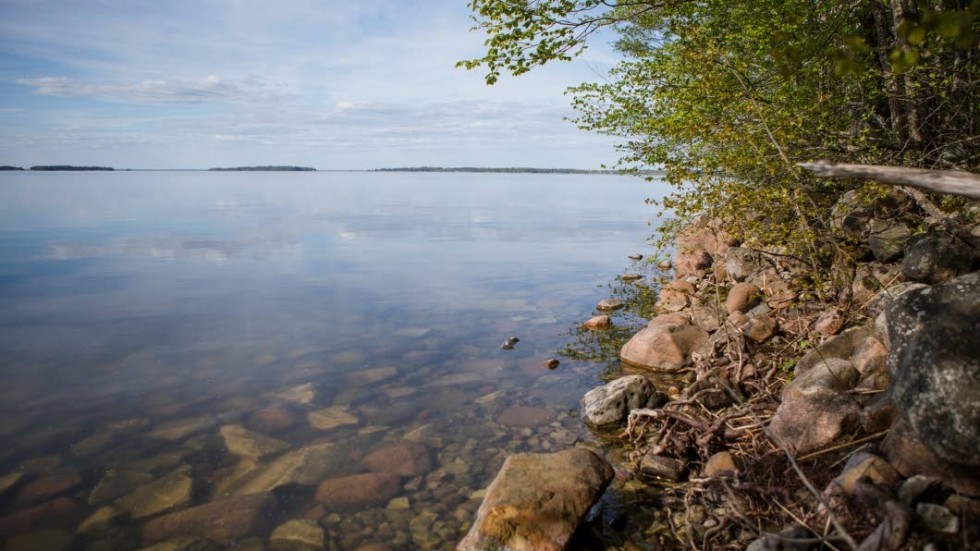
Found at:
(842, 413)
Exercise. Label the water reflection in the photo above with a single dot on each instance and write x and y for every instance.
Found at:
(173, 340)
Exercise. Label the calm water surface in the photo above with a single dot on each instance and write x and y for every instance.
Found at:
(169, 339)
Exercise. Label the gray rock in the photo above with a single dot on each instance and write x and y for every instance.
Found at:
(812, 418)
(741, 263)
(610, 404)
(537, 501)
(609, 304)
(936, 257)
(937, 518)
(888, 238)
(935, 366)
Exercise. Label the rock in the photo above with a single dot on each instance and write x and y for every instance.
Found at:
(60, 512)
(41, 540)
(759, 328)
(935, 366)
(707, 317)
(307, 465)
(936, 257)
(888, 238)
(552, 363)
(185, 543)
(362, 377)
(937, 518)
(906, 452)
(98, 521)
(631, 277)
(666, 343)
(524, 416)
(835, 374)
(248, 443)
(156, 496)
(741, 263)
(537, 501)
(610, 404)
(598, 322)
(829, 323)
(297, 534)
(406, 459)
(10, 481)
(675, 296)
(609, 304)
(303, 395)
(182, 428)
(743, 296)
(662, 468)
(665, 264)
(47, 487)
(635, 257)
(864, 466)
(510, 342)
(813, 418)
(331, 418)
(223, 521)
(691, 262)
(116, 483)
(274, 418)
(841, 346)
(359, 490)
(916, 486)
(720, 464)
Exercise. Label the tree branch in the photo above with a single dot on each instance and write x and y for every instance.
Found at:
(953, 182)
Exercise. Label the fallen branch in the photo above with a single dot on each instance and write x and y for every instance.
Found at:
(954, 182)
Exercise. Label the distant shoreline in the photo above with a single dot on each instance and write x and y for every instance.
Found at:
(279, 168)
(289, 168)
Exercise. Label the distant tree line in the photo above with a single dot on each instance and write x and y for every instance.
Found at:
(506, 170)
(70, 167)
(266, 169)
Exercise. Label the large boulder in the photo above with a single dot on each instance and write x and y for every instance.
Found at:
(666, 343)
(610, 404)
(537, 501)
(936, 257)
(934, 363)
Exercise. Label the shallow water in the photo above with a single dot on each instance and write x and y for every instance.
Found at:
(144, 313)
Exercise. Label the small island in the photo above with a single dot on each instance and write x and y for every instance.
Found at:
(70, 167)
(265, 169)
(8, 167)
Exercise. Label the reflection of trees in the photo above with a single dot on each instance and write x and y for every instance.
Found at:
(602, 346)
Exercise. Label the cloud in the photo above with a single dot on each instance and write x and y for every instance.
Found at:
(205, 90)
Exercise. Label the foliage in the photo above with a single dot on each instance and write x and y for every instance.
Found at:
(728, 96)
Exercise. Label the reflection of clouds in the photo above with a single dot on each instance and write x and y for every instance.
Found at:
(208, 250)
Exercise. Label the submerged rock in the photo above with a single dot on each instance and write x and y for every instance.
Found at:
(331, 418)
(297, 534)
(307, 465)
(248, 443)
(223, 521)
(537, 501)
(404, 459)
(359, 490)
(610, 404)
(159, 495)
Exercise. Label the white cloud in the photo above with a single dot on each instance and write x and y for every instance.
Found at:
(205, 90)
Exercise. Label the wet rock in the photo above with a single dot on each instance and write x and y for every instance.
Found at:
(99, 520)
(307, 465)
(42, 540)
(359, 490)
(92, 445)
(182, 428)
(156, 496)
(116, 483)
(274, 418)
(759, 328)
(509, 343)
(536, 501)
(631, 277)
(935, 366)
(867, 467)
(551, 363)
(297, 535)
(331, 418)
(635, 257)
(609, 304)
(304, 394)
(742, 297)
(937, 518)
(598, 322)
(666, 343)
(665, 264)
(675, 296)
(47, 487)
(936, 257)
(720, 464)
(887, 238)
(248, 443)
(223, 521)
(362, 377)
(610, 404)
(741, 263)
(663, 468)
(406, 459)
(58, 513)
(525, 416)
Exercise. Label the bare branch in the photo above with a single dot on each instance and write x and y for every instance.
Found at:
(954, 182)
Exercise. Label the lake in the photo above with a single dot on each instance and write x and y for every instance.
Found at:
(174, 339)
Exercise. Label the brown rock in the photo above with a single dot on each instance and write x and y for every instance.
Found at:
(525, 416)
(659, 467)
(223, 521)
(664, 343)
(829, 322)
(47, 487)
(609, 304)
(307, 465)
(759, 328)
(250, 444)
(274, 418)
(675, 296)
(359, 490)
(707, 317)
(156, 496)
(720, 464)
(537, 501)
(906, 452)
(58, 513)
(598, 322)
(298, 534)
(371, 376)
(42, 540)
(331, 418)
(742, 297)
(814, 417)
(405, 459)
(864, 466)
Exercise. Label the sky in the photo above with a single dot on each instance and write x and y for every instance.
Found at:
(333, 85)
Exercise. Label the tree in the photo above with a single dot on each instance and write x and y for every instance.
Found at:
(728, 96)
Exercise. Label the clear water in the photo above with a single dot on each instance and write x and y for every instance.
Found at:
(134, 302)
